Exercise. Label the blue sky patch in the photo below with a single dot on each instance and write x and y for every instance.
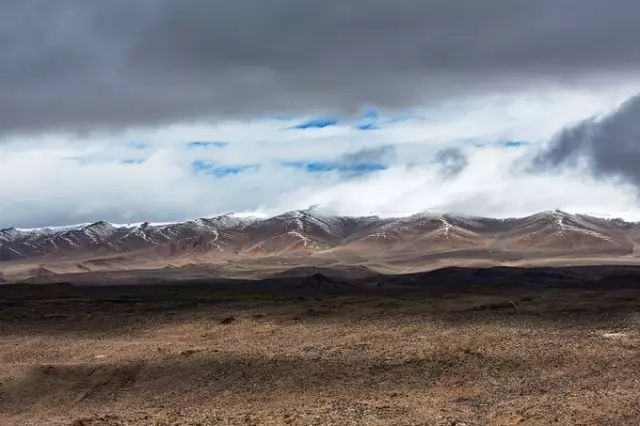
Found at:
(206, 144)
(514, 144)
(317, 123)
(371, 114)
(368, 126)
(212, 169)
(331, 166)
(369, 120)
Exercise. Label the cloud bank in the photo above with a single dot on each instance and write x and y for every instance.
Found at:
(75, 65)
(166, 110)
(461, 160)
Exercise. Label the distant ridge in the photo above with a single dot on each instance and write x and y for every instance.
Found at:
(306, 238)
(304, 230)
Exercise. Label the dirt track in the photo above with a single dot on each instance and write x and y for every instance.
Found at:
(538, 356)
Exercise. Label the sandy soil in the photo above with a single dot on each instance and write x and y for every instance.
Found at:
(176, 355)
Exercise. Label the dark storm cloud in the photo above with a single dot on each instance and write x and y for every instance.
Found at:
(610, 146)
(76, 64)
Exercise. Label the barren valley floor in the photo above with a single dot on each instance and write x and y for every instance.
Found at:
(537, 350)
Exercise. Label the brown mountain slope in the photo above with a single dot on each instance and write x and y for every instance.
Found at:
(306, 238)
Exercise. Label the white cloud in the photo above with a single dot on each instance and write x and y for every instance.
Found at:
(57, 179)
(488, 187)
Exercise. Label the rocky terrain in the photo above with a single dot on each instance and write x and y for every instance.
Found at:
(456, 346)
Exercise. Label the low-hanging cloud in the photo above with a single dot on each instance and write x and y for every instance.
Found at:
(270, 171)
(608, 146)
(451, 161)
(73, 64)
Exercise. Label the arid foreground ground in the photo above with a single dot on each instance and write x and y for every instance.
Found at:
(496, 346)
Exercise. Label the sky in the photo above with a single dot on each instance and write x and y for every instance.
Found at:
(158, 110)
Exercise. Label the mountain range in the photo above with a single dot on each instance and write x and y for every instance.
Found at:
(235, 245)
